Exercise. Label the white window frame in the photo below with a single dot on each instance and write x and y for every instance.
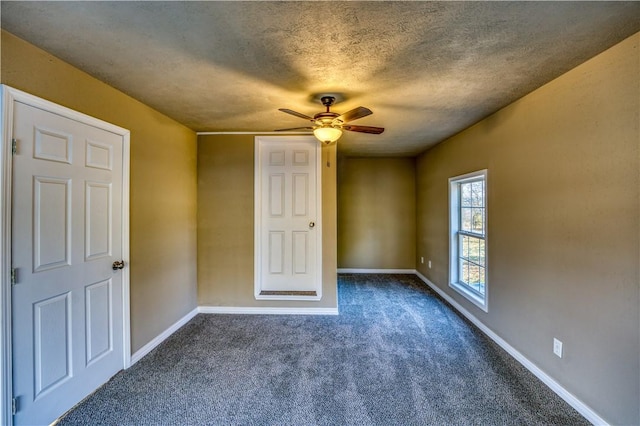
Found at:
(482, 301)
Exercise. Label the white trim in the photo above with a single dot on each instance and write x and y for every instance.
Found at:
(9, 97)
(266, 311)
(375, 271)
(578, 405)
(6, 377)
(126, 272)
(253, 133)
(140, 353)
(34, 101)
(259, 141)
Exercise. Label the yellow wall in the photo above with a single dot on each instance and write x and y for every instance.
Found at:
(163, 183)
(563, 226)
(376, 213)
(226, 222)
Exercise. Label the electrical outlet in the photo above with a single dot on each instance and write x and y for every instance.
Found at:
(557, 347)
(429, 264)
(421, 259)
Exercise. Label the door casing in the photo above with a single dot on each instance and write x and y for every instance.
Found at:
(10, 95)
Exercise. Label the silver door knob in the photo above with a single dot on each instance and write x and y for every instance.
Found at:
(312, 224)
(118, 264)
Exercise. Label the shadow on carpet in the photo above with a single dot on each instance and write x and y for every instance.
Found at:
(396, 355)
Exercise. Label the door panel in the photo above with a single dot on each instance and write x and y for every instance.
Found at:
(276, 252)
(300, 248)
(276, 195)
(53, 146)
(99, 155)
(98, 210)
(300, 194)
(288, 219)
(52, 343)
(52, 222)
(98, 320)
(67, 303)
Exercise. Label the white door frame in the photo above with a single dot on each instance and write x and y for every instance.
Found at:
(257, 244)
(8, 96)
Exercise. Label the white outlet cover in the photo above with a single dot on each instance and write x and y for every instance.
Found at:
(429, 264)
(557, 347)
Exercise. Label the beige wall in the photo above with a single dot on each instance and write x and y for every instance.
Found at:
(163, 183)
(376, 213)
(563, 220)
(226, 222)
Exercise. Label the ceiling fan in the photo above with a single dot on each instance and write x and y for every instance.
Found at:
(328, 126)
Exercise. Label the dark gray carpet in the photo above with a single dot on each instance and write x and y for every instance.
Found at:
(396, 355)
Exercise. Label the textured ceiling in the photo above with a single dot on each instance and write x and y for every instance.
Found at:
(427, 69)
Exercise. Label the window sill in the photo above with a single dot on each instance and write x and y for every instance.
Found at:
(474, 298)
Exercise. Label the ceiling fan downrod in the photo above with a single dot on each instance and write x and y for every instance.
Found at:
(327, 101)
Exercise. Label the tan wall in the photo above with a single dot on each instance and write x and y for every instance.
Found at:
(563, 221)
(376, 213)
(163, 183)
(226, 222)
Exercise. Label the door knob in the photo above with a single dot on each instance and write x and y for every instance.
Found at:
(118, 264)
(312, 224)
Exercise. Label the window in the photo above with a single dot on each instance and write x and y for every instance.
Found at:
(468, 236)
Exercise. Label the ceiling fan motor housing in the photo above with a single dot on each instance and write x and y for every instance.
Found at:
(326, 117)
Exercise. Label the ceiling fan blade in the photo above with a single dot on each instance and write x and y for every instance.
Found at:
(364, 129)
(354, 114)
(293, 128)
(297, 114)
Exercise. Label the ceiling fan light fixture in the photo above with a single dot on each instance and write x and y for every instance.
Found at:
(327, 134)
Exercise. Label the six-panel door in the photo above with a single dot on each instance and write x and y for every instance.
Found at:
(66, 233)
(289, 228)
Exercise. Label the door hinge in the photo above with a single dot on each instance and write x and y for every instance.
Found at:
(14, 146)
(14, 276)
(14, 406)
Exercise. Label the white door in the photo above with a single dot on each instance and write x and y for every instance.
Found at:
(288, 255)
(66, 234)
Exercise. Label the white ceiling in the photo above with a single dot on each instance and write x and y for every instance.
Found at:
(427, 69)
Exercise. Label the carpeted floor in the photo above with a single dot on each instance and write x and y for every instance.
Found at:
(396, 355)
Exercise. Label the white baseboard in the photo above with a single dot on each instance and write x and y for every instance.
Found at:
(140, 353)
(266, 311)
(578, 405)
(375, 271)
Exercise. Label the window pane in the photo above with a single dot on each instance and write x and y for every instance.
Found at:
(474, 250)
(466, 219)
(464, 271)
(477, 194)
(465, 247)
(474, 274)
(477, 220)
(465, 195)
(481, 253)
